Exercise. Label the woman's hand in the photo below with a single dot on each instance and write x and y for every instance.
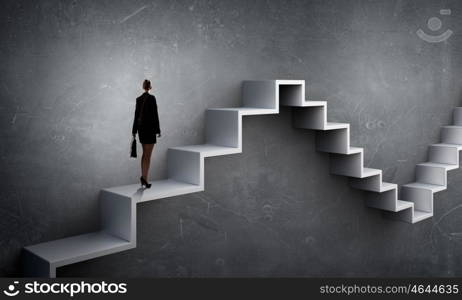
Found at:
(158, 135)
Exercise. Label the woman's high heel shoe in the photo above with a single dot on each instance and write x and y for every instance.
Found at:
(144, 183)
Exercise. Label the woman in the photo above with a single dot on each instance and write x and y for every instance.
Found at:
(146, 123)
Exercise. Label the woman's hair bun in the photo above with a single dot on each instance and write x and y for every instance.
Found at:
(147, 85)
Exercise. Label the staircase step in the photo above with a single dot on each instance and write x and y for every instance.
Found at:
(420, 215)
(353, 150)
(387, 186)
(433, 187)
(459, 147)
(451, 134)
(402, 205)
(372, 185)
(457, 116)
(209, 149)
(160, 189)
(333, 126)
(79, 248)
(309, 103)
(248, 111)
(446, 166)
(367, 172)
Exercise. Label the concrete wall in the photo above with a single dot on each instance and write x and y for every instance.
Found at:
(69, 75)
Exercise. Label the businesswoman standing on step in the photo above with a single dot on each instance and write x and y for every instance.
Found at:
(146, 124)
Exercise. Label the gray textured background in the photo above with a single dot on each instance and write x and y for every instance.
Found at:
(69, 75)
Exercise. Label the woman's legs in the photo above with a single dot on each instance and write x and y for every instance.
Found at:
(146, 160)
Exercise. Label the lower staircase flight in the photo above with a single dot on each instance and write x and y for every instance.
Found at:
(224, 136)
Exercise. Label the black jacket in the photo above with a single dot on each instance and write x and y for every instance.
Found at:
(146, 118)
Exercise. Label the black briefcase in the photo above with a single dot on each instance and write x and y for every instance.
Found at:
(133, 148)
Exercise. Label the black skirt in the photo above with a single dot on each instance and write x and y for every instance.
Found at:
(148, 137)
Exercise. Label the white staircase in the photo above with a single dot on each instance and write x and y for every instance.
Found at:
(223, 137)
